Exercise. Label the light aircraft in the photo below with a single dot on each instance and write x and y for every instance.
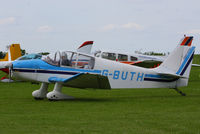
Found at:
(14, 51)
(95, 72)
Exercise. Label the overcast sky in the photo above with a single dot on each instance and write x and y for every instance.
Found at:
(122, 25)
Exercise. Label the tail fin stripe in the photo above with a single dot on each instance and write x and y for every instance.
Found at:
(186, 61)
(188, 42)
(184, 41)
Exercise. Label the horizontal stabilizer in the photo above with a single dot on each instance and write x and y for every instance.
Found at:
(84, 80)
(162, 77)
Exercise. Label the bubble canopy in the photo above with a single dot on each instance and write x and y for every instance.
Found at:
(70, 59)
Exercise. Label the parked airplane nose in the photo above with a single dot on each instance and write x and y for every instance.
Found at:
(25, 70)
(24, 64)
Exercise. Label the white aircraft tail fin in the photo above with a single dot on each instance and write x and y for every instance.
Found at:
(85, 47)
(179, 61)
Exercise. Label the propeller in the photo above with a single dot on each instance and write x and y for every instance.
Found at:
(10, 72)
(9, 63)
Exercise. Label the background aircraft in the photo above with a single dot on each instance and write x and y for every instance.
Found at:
(14, 52)
(102, 73)
(141, 60)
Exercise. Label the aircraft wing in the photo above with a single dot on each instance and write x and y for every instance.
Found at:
(84, 80)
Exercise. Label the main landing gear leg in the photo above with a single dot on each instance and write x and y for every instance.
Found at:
(41, 93)
(56, 94)
(179, 91)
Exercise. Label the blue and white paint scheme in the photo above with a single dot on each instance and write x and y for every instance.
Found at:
(80, 70)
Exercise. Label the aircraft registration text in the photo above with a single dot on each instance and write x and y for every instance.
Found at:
(123, 75)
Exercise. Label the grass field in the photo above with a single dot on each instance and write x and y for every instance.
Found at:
(139, 111)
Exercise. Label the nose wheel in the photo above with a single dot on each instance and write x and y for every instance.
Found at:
(41, 93)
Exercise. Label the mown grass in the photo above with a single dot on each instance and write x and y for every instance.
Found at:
(139, 111)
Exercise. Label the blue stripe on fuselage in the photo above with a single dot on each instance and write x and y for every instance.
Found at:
(45, 71)
(43, 67)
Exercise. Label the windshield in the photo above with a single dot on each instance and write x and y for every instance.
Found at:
(30, 56)
(53, 59)
(70, 59)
